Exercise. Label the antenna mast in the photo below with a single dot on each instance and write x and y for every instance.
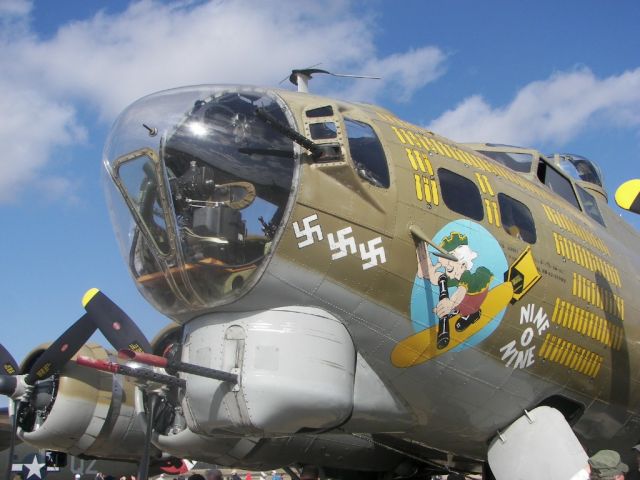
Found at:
(301, 77)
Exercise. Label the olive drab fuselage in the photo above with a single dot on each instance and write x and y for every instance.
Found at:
(475, 291)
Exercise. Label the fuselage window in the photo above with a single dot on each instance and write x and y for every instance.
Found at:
(517, 219)
(590, 205)
(557, 183)
(460, 194)
(323, 130)
(367, 153)
(326, 111)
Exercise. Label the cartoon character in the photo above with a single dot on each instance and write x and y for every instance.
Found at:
(471, 286)
(468, 260)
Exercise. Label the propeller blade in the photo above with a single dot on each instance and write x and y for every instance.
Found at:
(8, 384)
(152, 402)
(61, 351)
(114, 323)
(9, 365)
(51, 361)
(9, 368)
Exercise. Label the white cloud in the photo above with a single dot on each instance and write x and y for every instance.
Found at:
(14, 15)
(14, 8)
(109, 60)
(404, 73)
(31, 126)
(113, 59)
(548, 112)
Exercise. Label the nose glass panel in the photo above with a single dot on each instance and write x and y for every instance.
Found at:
(207, 202)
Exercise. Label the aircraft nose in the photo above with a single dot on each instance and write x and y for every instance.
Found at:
(206, 182)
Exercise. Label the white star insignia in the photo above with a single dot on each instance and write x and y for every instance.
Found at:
(34, 468)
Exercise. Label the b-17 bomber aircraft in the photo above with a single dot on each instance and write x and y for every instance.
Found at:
(351, 293)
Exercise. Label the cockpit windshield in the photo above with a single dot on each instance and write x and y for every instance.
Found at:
(517, 161)
(579, 168)
(207, 184)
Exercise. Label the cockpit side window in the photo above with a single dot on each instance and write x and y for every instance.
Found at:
(367, 153)
(557, 183)
(590, 205)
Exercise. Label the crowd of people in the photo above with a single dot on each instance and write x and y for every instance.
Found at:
(213, 474)
(216, 474)
(603, 465)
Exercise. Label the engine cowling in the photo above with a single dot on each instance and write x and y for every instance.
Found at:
(83, 411)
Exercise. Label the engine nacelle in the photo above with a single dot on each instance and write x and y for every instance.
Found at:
(296, 368)
(83, 411)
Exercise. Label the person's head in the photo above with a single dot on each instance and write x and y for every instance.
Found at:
(458, 245)
(607, 465)
(214, 475)
(76, 476)
(196, 476)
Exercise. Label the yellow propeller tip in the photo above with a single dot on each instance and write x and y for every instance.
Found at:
(89, 295)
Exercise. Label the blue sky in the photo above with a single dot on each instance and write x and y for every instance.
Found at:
(559, 76)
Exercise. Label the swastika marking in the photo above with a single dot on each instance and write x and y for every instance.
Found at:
(308, 231)
(373, 253)
(345, 243)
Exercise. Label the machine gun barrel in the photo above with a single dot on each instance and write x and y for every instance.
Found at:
(141, 373)
(158, 361)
